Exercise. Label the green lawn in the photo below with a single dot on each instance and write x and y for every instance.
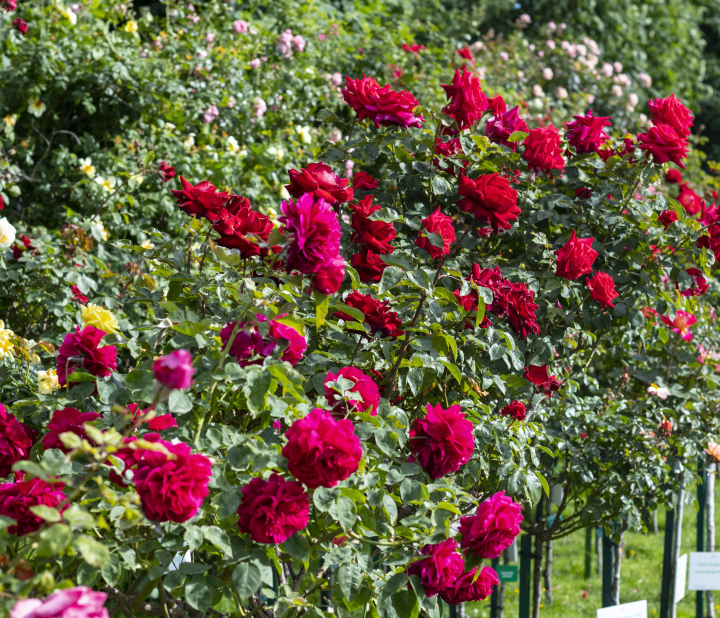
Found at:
(641, 573)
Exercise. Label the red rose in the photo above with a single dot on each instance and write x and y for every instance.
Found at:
(272, 511)
(329, 278)
(602, 289)
(16, 440)
(521, 309)
(201, 200)
(363, 181)
(671, 112)
(664, 144)
(381, 105)
(691, 201)
(442, 441)
(466, 53)
(378, 316)
(369, 266)
(321, 451)
(78, 295)
(701, 286)
(583, 193)
(9, 5)
(245, 230)
(67, 420)
(81, 350)
(470, 587)
(442, 567)
(175, 370)
(667, 217)
(441, 225)
(366, 393)
(449, 149)
(248, 342)
(319, 179)
(167, 173)
(375, 235)
(542, 149)
(575, 258)
(515, 409)
(469, 304)
(25, 245)
(20, 25)
(497, 105)
(708, 215)
(164, 421)
(711, 241)
(489, 197)
(357, 95)
(129, 456)
(501, 126)
(415, 48)
(586, 133)
(673, 176)
(467, 101)
(492, 528)
(172, 489)
(538, 375)
(16, 500)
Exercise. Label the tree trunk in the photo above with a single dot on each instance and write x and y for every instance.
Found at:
(710, 537)
(537, 578)
(618, 558)
(676, 550)
(656, 529)
(598, 553)
(547, 572)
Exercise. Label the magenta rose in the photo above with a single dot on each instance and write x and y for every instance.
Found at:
(440, 224)
(67, 420)
(368, 394)
(489, 197)
(248, 342)
(129, 456)
(501, 126)
(543, 151)
(471, 588)
(319, 180)
(467, 101)
(20, 25)
(175, 370)
(172, 489)
(16, 440)
(700, 284)
(17, 498)
(493, 528)
(321, 451)
(575, 258)
(442, 567)
(602, 289)
(76, 602)
(587, 133)
(442, 441)
(671, 111)
(9, 5)
(81, 350)
(272, 511)
(515, 409)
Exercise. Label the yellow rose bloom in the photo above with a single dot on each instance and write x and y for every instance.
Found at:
(47, 381)
(99, 317)
(6, 344)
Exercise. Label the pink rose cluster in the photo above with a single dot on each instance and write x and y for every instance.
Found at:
(288, 42)
(77, 602)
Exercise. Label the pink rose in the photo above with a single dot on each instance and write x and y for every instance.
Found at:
(172, 489)
(493, 528)
(322, 450)
(467, 100)
(17, 498)
(681, 324)
(470, 587)
(240, 26)
(16, 440)
(248, 342)
(543, 151)
(81, 351)
(700, 284)
(442, 441)
(442, 567)
(575, 258)
(272, 511)
(364, 387)
(67, 420)
(76, 602)
(175, 370)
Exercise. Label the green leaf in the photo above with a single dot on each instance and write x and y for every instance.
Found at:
(394, 584)
(112, 570)
(92, 551)
(391, 276)
(453, 370)
(544, 482)
(497, 351)
(351, 311)
(406, 603)
(179, 402)
(278, 371)
(218, 538)
(256, 390)
(480, 311)
(293, 321)
(298, 547)
(198, 595)
(46, 512)
(80, 376)
(517, 136)
(246, 579)
(440, 185)
(350, 578)
(346, 513)
(390, 508)
(53, 540)
(193, 537)
(322, 303)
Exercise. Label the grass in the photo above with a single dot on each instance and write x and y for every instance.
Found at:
(640, 575)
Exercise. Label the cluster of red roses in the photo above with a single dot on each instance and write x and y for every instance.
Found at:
(18, 23)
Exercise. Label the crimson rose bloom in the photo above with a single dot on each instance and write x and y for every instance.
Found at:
(201, 200)
(586, 133)
(442, 441)
(489, 197)
(671, 112)
(17, 498)
(26, 245)
(175, 370)
(272, 511)
(321, 451)
(16, 440)
(673, 176)
(493, 528)
(667, 217)
(66, 420)
(538, 375)
(129, 456)
(711, 241)
(365, 388)
(467, 100)
(369, 266)
(357, 95)
(701, 286)
(575, 258)
(378, 316)
(167, 173)
(449, 149)
(440, 224)
(78, 295)
(243, 230)
(329, 278)
(314, 231)
(20, 25)
(9, 5)
(77, 602)
(81, 350)
(248, 342)
(542, 149)
(691, 201)
(319, 180)
(381, 105)
(497, 105)
(515, 409)
(709, 215)
(172, 489)
(375, 235)
(501, 126)
(468, 589)
(441, 569)
(663, 142)
(602, 289)
(362, 181)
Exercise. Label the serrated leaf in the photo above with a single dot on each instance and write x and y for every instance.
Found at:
(246, 579)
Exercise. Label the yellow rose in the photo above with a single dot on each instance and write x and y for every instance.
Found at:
(99, 317)
(47, 381)
(6, 344)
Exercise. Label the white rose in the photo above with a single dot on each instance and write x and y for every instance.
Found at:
(7, 233)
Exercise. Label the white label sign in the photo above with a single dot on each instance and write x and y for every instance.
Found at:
(704, 570)
(681, 577)
(627, 610)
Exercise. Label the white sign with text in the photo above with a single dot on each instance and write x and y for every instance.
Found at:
(627, 610)
(704, 571)
(681, 577)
